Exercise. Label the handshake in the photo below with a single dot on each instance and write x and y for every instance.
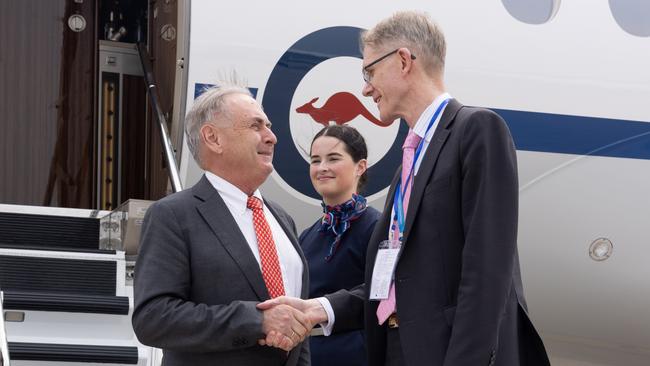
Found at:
(288, 320)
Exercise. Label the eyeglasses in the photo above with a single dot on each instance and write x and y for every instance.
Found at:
(367, 77)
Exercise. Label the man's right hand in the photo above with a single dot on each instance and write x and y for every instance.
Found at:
(285, 327)
(311, 310)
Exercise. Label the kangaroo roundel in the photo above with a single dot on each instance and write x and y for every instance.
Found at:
(317, 82)
(340, 108)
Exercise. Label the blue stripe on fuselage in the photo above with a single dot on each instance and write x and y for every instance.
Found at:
(557, 133)
(200, 88)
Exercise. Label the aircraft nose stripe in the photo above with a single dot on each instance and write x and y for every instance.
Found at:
(556, 133)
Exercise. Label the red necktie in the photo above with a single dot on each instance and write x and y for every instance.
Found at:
(388, 306)
(268, 255)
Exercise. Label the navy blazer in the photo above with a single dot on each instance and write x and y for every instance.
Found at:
(344, 270)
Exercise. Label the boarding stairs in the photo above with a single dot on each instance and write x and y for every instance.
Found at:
(65, 301)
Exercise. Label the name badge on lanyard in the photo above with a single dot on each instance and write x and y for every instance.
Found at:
(389, 250)
(382, 274)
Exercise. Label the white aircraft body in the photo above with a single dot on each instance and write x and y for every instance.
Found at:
(570, 78)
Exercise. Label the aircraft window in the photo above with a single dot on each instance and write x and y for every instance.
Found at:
(532, 11)
(632, 16)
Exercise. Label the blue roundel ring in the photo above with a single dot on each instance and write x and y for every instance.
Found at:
(290, 69)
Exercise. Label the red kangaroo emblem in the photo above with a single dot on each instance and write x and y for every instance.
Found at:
(341, 108)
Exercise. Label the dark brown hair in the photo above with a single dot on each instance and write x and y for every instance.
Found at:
(355, 145)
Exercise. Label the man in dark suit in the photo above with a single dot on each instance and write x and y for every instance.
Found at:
(210, 253)
(454, 296)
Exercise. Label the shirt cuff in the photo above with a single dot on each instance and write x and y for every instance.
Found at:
(327, 327)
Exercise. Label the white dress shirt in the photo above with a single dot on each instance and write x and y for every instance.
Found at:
(423, 122)
(290, 262)
(420, 129)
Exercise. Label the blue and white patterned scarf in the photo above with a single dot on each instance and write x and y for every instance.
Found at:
(336, 219)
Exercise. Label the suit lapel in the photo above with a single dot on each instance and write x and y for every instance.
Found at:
(217, 215)
(294, 241)
(429, 162)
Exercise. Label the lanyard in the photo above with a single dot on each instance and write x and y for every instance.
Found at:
(398, 199)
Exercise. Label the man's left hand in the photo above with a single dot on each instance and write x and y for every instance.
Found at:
(285, 327)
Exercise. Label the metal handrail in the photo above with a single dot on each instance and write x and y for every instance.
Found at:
(4, 349)
(152, 91)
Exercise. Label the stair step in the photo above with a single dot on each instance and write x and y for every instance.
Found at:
(66, 303)
(57, 249)
(51, 231)
(57, 275)
(72, 353)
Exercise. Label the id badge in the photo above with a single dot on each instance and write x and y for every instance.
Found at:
(382, 274)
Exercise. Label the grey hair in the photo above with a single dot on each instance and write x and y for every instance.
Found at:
(210, 106)
(414, 30)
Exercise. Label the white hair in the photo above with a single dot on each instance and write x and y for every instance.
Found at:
(208, 107)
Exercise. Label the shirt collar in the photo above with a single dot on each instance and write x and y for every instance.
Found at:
(423, 122)
(234, 197)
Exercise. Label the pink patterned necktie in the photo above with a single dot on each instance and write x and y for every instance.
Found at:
(271, 271)
(388, 306)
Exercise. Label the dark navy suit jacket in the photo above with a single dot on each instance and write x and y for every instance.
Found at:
(458, 287)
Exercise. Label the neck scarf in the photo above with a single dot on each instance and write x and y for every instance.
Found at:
(336, 219)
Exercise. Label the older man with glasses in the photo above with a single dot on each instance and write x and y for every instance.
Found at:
(443, 285)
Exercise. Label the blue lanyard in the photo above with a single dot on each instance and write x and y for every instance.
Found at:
(398, 199)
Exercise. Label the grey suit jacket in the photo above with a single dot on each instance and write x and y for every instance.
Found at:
(197, 284)
(458, 288)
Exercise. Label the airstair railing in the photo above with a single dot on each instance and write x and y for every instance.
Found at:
(152, 91)
(4, 349)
